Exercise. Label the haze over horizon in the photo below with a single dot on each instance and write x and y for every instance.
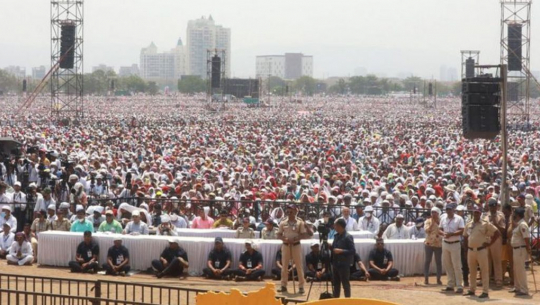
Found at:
(390, 38)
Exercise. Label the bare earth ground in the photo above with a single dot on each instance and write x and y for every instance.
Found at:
(404, 292)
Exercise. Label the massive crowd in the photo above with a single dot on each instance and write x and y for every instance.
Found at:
(155, 163)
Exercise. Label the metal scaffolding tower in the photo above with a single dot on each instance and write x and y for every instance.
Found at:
(515, 52)
(67, 83)
(473, 55)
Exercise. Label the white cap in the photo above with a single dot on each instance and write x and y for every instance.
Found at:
(136, 213)
(51, 207)
(436, 209)
(6, 207)
(165, 218)
(314, 244)
(17, 183)
(368, 209)
(461, 208)
(172, 240)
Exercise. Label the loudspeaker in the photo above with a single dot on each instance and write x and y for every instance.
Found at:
(112, 84)
(514, 47)
(480, 102)
(480, 121)
(67, 46)
(469, 67)
(414, 89)
(430, 89)
(24, 85)
(216, 71)
(287, 89)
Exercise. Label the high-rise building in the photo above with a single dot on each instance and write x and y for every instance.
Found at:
(288, 66)
(156, 65)
(203, 35)
(128, 70)
(39, 72)
(166, 65)
(180, 59)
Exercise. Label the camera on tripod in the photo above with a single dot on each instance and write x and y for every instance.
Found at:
(323, 231)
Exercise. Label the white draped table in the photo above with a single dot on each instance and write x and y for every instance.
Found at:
(58, 248)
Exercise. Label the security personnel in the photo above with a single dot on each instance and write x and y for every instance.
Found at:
(451, 229)
(496, 218)
(476, 235)
(291, 230)
(521, 246)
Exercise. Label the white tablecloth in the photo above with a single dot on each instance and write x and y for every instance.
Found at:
(224, 233)
(58, 248)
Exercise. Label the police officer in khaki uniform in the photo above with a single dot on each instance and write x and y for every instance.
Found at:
(479, 235)
(521, 250)
(291, 230)
(496, 218)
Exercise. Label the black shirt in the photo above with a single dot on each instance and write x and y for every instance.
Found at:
(279, 257)
(118, 255)
(354, 264)
(380, 258)
(251, 261)
(219, 258)
(169, 254)
(345, 242)
(315, 260)
(87, 251)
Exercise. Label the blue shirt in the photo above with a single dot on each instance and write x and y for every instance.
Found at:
(77, 226)
(345, 242)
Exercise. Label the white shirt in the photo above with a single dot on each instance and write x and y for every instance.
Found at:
(25, 248)
(42, 204)
(372, 225)
(12, 222)
(133, 228)
(451, 225)
(4, 198)
(19, 200)
(352, 225)
(6, 241)
(395, 232)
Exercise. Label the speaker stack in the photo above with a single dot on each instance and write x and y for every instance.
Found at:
(480, 107)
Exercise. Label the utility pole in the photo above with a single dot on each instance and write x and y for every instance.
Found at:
(504, 138)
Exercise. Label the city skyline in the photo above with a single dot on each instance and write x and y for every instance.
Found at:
(341, 38)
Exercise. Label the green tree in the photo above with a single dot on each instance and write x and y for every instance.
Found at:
(132, 83)
(8, 82)
(413, 81)
(152, 88)
(306, 84)
(191, 84)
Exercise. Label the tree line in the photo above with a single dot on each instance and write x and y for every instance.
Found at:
(100, 83)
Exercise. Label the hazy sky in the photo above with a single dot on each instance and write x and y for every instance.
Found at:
(384, 36)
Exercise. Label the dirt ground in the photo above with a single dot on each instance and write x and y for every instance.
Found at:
(410, 290)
